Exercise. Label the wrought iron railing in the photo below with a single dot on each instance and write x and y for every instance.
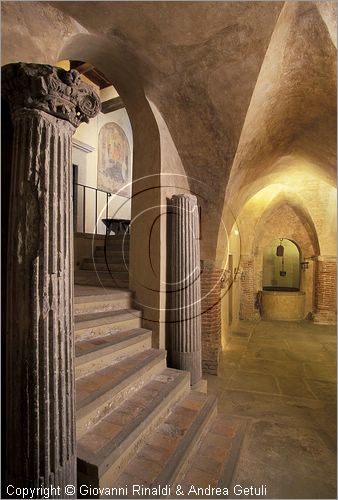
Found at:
(90, 207)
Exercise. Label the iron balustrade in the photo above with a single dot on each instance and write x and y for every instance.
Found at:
(85, 189)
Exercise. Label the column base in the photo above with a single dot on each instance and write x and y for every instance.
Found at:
(190, 362)
(325, 318)
(201, 386)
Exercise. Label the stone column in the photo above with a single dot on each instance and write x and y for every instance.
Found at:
(47, 104)
(325, 291)
(184, 286)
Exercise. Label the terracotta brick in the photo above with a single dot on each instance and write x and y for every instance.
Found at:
(107, 429)
(199, 478)
(160, 455)
(93, 442)
(208, 465)
(144, 469)
(211, 318)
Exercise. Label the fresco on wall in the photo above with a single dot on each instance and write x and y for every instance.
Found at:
(114, 160)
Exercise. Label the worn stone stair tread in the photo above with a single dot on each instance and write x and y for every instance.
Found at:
(116, 274)
(101, 264)
(113, 378)
(106, 317)
(104, 444)
(85, 349)
(113, 237)
(101, 259)
(97, 278)
(160, 459)
(119, 243)
(101, 251)
(83, 293)
(107, 283)
(215, 459)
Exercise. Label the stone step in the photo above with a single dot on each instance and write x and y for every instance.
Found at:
(109, 445)
(100, 278)
(166, 453)
(118, 260)
(89, 299)
(99, 392)
(119, 237)
(119, 275)
(215, 459)
(104, 265)
(112, 253)
(118, 243)
(97, 353)
(103, 323)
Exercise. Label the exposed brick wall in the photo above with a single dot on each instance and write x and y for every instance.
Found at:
(211, 317)
(247, 308)
(325, 291)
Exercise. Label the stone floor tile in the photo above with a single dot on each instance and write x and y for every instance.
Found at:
(320, 371)
(290, 440)
(294, 386)
(251, 381)
(326, 391)
(272, 353)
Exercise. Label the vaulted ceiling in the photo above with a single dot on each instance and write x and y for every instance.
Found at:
(242, 86)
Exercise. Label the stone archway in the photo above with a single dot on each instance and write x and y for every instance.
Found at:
(144, 269)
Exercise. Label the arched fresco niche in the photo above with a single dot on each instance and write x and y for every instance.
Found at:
(114, 160)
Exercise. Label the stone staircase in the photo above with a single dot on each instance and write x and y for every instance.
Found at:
(138, 422)
(108, 266)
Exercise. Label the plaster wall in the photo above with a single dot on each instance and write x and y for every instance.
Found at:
(119, 206)
(272, 265)
(230, 292)
(87, 163)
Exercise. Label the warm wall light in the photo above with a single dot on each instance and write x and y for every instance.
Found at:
(236, 232)
(304, 265)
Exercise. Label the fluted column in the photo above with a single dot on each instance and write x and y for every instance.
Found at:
(184, 325)
(47, 104)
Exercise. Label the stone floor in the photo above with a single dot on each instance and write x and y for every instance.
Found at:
(278, 380)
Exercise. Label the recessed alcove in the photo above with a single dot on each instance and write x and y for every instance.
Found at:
(281, 296)
(281, 273)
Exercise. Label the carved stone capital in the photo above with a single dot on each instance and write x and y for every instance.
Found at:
(50, 89)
